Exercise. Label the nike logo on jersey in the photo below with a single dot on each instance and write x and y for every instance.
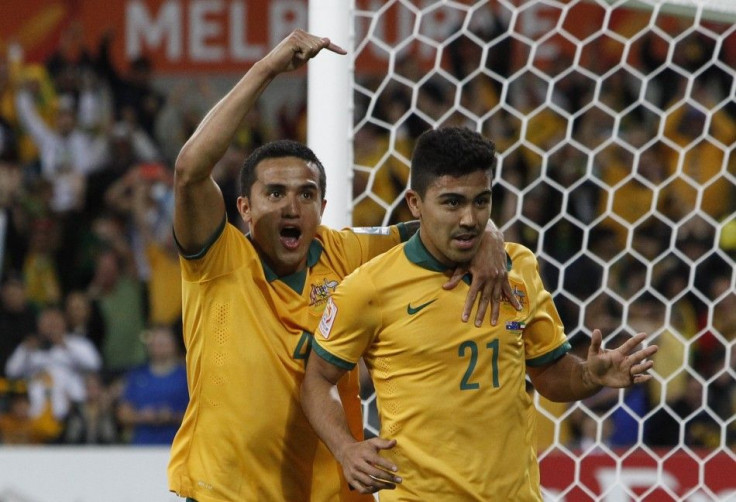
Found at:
(413, 310)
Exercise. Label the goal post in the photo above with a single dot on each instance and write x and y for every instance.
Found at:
(615, 123)
(329, 104)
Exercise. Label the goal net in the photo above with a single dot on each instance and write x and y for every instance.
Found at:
(615, 123)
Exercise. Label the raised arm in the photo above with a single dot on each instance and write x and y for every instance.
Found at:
(365, 470)
(199, 205)
(40, 133)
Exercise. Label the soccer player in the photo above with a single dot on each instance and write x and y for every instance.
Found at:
(251, 303)
(451, 398)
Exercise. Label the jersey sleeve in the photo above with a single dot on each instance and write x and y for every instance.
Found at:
(544, 334)
(227, 251)
(349, 322)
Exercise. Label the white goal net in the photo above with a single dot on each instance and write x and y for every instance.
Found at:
(615, 123)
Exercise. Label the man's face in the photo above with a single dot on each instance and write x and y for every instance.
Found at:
(453, 215)
(65, 122)
(283, 211)
(13, 296)
(160, 344)
(52, 325)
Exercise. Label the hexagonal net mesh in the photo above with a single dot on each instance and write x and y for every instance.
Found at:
(615, 124)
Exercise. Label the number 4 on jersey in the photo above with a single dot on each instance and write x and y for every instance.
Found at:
(303, 346)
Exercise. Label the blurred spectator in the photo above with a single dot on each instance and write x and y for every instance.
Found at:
(227, 175)
(143, 200)
(647, 314)
(251, 134)
(83, 318)
(605, 311)
(635, 189)
(700, 164)
(727, 241)
(17, 146)
(120, 297)
(627, 417)
(70, 59)
(67, 154)
(17, 317)
(59, 359)
(126, 147)
(8, 142)
(672, 283)
(19, 427)
(9, 138)
(627, 276)
(97, 233)
(718, 326)
(724, 310)
(155, 395)
(384, 177)
(72, 69)
(142, 145)
(12, 194)
(92, 421)
(701, 429)
(568, 167)
(152, 206)
(694, 52)
(587, 431)
(291, 121)
(185, 106)
(134, 95)
(40, 270)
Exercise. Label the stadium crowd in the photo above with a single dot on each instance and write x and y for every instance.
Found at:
(90, 303)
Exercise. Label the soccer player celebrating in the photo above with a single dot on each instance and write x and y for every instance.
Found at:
(251, 303)
(451, 398)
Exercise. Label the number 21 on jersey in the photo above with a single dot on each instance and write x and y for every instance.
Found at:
(471, 379)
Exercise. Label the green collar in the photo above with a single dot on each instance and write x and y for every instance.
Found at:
(418, 254)
(296, 280)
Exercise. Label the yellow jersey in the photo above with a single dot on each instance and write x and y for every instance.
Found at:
(247, 333)
(164, 294)
(452, 394)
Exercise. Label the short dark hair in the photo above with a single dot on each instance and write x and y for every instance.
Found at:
(453, 151)
(274, 150)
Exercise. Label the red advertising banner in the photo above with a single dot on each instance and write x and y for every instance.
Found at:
(178, 35)
(696, 476)
(190, 36)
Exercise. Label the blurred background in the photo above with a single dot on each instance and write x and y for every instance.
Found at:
(615, 124)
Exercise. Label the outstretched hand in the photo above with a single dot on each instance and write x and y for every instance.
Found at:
(620, 367)
(365, 469)
(296, 49)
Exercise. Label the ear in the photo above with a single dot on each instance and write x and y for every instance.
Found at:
(244, 208)
(415, 203)
(322, 209)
